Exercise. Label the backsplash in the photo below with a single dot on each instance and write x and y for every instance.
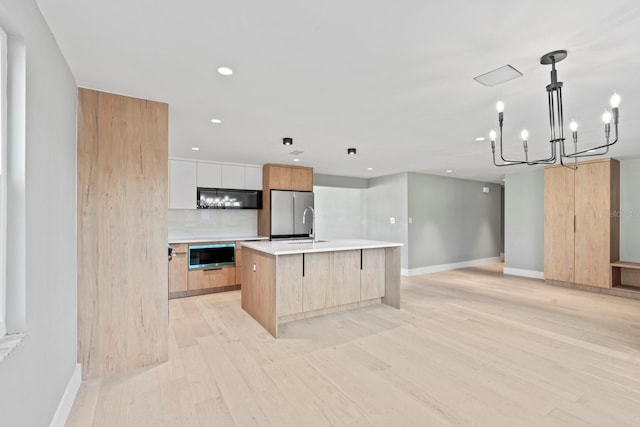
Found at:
(214, 222)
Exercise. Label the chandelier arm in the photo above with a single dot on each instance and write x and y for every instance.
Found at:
(509, 162)
(589, 152)
(506, 162)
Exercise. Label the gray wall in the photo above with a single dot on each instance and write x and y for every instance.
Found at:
(630, 210)
(524, 221)
(387, 198)
(42, 219)
(340, 213)
(452, 220)
(322, 180)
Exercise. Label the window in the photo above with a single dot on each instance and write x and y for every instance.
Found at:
(3, 181)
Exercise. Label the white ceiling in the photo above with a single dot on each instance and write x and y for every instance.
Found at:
(393, 79)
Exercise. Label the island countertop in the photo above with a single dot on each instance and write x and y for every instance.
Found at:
(293, 247)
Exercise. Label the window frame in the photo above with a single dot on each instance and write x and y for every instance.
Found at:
(3, 182)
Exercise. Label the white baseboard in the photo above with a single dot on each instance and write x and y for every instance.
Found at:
(446, 267)
(69, 396)
(524, 273)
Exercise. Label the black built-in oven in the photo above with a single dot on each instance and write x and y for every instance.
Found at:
(212, 255)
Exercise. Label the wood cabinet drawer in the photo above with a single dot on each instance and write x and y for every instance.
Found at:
(212, 278)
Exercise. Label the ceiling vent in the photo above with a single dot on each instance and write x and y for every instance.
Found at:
(498, 76)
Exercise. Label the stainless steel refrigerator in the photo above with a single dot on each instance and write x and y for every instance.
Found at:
(287, 208)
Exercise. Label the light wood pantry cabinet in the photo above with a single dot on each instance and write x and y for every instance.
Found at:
(581, 227)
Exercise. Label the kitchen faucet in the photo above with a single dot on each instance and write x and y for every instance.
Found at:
(313, 221)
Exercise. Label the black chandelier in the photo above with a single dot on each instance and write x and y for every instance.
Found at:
(556, 124)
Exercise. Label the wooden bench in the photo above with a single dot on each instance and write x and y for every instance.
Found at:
(624, 273)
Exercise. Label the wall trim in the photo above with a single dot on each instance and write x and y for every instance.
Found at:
(446, 267)
(533, 274)
(69, 396)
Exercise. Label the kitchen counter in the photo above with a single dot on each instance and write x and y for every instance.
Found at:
(293, 247)
(203, 238)
(288, 281)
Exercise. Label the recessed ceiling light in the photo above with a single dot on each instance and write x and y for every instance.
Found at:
(504, 179)
(216, 121)
(449, 170)
(480, 138)
(296, 160)
(195, 148)
(369, 169)
(351, 151)
(225, 71)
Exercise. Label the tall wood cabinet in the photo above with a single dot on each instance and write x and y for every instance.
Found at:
(280, 177)
(581, 229)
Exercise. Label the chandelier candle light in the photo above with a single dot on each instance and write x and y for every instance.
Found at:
(556, 124)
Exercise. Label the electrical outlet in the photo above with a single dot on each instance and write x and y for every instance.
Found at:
(410, 220)
(392, 220)
(254, 267)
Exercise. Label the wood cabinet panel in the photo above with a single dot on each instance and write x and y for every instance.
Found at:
(372, 276)
(593, 209)
(558, 224)
(290, 287)
(178, 268)
(258, 296)
(209, 175)
(317, 281)
(281, 178)
(302, 179)
(122, 233)
(211, 278)
(345, 277)
(238, 263)
(182, 184)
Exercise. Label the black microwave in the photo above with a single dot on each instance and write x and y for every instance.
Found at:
(212, 255)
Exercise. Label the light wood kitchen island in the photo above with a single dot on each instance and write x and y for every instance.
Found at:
(286, 281)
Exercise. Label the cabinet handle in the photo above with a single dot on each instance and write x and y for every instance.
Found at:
(302, 265)
(212, 269)
(360, 259)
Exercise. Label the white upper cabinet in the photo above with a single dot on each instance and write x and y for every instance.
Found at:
(182, 184)
(210, 175)
(233, 177)
(253, 177)
(186, 176)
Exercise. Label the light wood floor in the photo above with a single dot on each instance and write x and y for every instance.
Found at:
(468, 348)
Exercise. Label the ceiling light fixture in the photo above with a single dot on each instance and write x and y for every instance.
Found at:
(480, 138)
(287, 141)
(216, 121)
(195, 148)
(556, 124)
(449, 170)
(225, 71)
(369, 169)
(351, 151)
(296, 160)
